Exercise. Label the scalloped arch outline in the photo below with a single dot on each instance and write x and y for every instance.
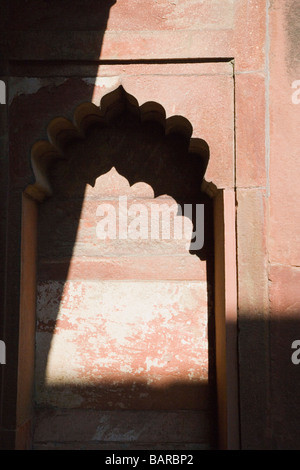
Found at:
(61, 130)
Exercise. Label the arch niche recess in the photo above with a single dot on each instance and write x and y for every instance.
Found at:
(62, 131)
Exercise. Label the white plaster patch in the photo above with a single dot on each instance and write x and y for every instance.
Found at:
(30, 85)
(153, 363)
(107, 84)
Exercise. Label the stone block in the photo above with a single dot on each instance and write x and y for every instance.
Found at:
(250, 131)
(122, 344)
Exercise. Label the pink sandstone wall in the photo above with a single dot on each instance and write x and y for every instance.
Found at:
(159, 287)
(126, 331)
(284, 221)
(132, 330)
(228, 67)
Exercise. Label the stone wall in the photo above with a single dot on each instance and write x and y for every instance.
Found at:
(231, 69)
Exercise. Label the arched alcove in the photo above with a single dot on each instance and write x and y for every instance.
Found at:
(138, 145)
(62, 132)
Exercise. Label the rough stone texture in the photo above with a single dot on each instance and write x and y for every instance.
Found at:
(285, 307)
(203, 95)
(253, 318)
(250, 141)
(113, 334)
(90, 429)
(284, 151)
(159, 30)
(140, 340)
(54, 54)
(127, 15)
(284, 241)
(213, 102)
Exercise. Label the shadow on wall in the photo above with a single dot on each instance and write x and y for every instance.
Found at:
(181, 406)
(40, 31)
(182, 409)
(86, 15)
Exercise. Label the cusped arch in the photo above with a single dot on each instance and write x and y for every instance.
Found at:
(61, 131)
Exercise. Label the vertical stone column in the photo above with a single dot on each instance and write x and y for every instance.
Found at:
(226, 319)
